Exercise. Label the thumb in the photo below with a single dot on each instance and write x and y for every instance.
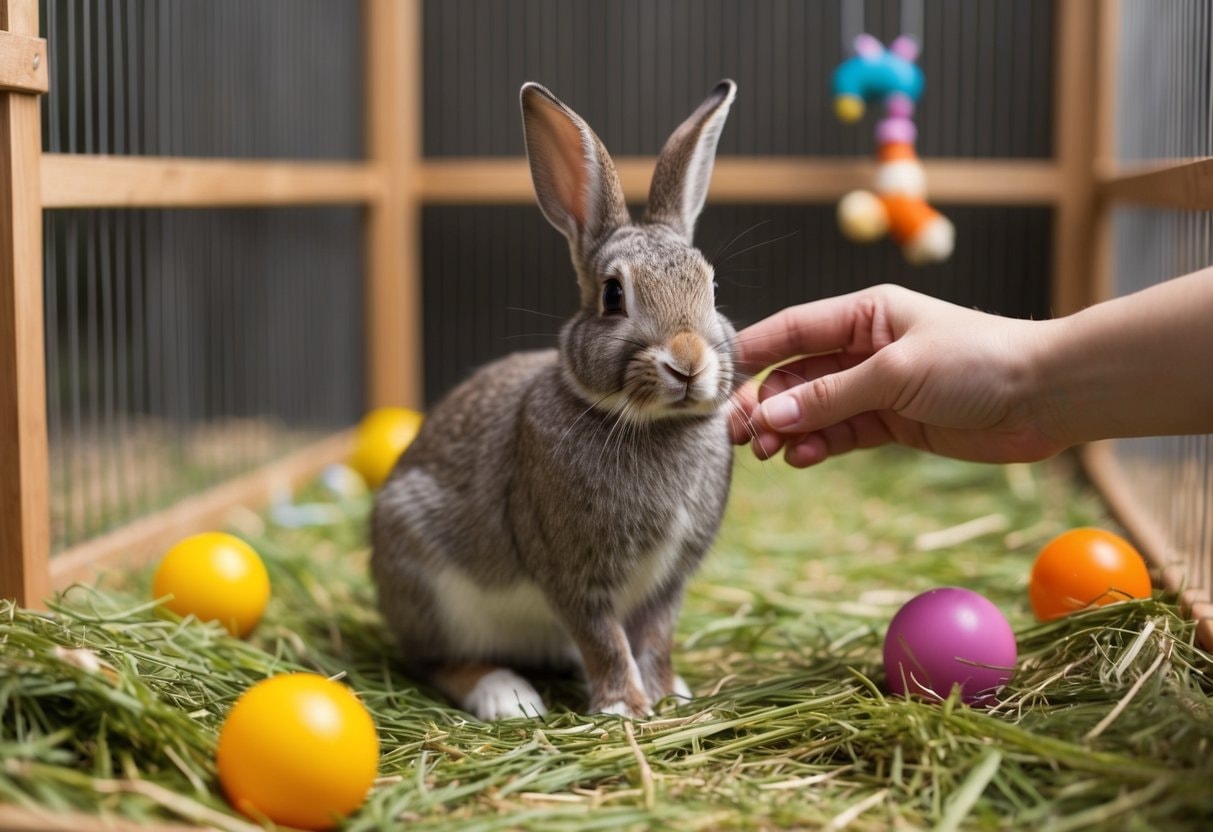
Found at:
(828, 399)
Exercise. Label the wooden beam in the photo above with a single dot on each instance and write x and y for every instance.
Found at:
(23, 819)
(1108, 78)
(1186, 185)
(759, 180)
(23, 64)
(148, 538)
(393, 295)
(85, 181)
(24, 486)
(1110, 13)
(1075, 94)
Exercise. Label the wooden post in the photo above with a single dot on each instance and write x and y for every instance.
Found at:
(1104, 147)
(1074, 104)
(24, 488)
(393, 291)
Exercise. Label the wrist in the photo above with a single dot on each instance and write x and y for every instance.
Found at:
(1050, 392)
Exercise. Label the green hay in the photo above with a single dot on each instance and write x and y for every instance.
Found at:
(1108, 723)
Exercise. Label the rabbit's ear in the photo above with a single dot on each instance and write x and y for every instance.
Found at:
(575, 180)
(684, 168)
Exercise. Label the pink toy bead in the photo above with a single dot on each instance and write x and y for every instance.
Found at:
(896, 130)
(905, 47)
(868, 46)
(899, 105)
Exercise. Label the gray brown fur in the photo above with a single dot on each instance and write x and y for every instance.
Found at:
(574, 481)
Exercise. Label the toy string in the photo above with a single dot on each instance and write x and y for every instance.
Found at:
(851, 20)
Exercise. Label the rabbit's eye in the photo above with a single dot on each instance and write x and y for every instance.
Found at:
(715, 289)
(612, 297)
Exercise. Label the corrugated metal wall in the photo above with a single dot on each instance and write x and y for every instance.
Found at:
(634, 69)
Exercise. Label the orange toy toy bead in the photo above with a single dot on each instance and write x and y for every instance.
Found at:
(1082, 568)
(907, 216)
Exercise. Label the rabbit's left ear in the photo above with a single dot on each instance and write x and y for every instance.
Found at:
(684, 168)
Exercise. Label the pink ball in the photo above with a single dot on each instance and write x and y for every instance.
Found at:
(945, 637)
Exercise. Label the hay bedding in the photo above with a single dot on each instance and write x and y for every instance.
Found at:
(105, 708)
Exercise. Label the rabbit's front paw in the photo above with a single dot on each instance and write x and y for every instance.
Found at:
(503, 694)
(622, 708)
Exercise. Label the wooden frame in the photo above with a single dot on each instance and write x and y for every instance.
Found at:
(24, 485)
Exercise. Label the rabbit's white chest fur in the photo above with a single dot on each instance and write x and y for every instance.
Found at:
(515, 620)
(518, 620)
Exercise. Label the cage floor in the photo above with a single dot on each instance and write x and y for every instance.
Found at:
(1108, 722)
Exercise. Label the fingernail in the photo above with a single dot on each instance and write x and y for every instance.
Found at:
(781, 412)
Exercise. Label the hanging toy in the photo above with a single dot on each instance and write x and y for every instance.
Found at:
(898, 206)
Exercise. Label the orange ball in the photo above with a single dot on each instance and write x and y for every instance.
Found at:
(1082, 568)
(214, 577)
(298, 749)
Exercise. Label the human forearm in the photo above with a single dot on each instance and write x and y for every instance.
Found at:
(1138, 365)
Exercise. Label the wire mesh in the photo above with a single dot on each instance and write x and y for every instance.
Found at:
(186, 347)
(1164, 96)
(1171, 478)
(210, 78)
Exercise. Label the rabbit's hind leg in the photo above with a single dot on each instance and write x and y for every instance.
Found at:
(489, 692)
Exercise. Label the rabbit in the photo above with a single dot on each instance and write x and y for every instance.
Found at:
(554, 505)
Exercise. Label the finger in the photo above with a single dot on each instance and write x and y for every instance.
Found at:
(741, 407)
(867, 430)
(817, 327)
(807, 450)
(766, 444)
(831, 399)
(794, 373)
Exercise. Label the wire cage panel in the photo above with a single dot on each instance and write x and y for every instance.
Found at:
(634, 68)
(498, 278)
(205, 78)
(1169, 479)
(187, 347)
(1164, 72)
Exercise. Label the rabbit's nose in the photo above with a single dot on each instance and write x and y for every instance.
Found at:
(679, 375)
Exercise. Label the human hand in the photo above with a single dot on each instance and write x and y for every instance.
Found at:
(890, 365)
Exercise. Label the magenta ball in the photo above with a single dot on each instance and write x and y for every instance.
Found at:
(945, 637)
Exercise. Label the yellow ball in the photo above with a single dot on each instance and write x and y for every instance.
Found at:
(848, 108)
(298, 749)
(380, 439)
(214, 577)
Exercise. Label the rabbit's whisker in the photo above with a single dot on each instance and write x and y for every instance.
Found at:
(792, 233)
(723, 249)
(631, 341)
(528, 335)
(564, 436)
(536, 312)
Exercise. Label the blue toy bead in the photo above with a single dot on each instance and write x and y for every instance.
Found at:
(873, 76)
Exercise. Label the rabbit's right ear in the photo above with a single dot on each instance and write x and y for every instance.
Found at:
(575, 180)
